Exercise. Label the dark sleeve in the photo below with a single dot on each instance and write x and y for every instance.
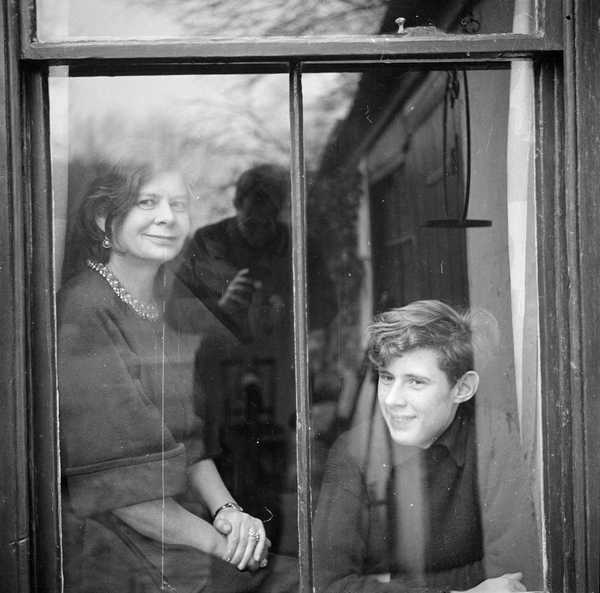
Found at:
(322, 295)
(198, 278)
(115, 449)
(511, 535)
(341, 531)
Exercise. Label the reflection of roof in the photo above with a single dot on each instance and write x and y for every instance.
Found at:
(378, 86)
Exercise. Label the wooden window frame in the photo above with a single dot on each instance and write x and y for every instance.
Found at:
(567, 103)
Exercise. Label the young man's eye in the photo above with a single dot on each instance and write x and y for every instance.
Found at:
(385, 378)
(415, 381)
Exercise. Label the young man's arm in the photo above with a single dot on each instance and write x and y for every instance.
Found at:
(511, 538)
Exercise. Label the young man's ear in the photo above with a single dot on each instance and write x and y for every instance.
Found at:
(466, 387)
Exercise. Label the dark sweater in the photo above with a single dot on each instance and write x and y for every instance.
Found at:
(434, 520)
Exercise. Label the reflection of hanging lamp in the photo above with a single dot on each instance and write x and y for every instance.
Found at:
(451, 94)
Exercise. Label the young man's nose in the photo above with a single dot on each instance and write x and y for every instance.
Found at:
(395, 395)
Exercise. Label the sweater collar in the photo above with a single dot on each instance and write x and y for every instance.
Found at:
(454, 439)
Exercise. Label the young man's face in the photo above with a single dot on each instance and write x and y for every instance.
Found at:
(416, 398)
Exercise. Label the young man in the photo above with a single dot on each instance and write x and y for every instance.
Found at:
(436, 500)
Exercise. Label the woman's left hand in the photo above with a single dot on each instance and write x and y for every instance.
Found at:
(247, 542)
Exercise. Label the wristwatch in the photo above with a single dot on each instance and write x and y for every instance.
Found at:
(227, 505)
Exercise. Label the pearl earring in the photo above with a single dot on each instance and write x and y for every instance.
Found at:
(106, 243)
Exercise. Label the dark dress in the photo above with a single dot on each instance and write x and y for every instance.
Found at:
(129, 429)
(426, 521)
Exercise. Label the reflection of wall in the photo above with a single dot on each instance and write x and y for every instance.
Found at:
(405, 166)
(489, 282)
(406, 186)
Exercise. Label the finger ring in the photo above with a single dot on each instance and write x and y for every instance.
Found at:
(253, 533)
(263, 563)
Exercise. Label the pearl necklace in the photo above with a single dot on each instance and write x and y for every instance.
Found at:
(148, 311)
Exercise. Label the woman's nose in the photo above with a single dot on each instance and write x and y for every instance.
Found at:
(163, 212)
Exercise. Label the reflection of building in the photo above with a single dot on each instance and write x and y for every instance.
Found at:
(407, 133)
(417, 145)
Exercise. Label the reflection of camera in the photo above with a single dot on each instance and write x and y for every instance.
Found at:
(262, 278)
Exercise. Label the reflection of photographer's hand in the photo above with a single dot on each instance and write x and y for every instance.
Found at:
(506, 583)
(238, 295)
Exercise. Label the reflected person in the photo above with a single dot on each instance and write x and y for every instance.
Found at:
(435, 498)
(240, 267)
(132, 446)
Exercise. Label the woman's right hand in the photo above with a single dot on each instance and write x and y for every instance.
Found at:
(247, 542)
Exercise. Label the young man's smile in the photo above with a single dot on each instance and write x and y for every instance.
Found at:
(416, 398)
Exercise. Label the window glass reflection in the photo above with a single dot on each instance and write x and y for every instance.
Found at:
(68, 19)
(426, 456)
(175, 343)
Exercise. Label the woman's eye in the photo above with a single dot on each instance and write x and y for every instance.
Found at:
(146, 203)
(179, 205)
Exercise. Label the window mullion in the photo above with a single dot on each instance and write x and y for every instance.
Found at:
(42, 345)
(298, 214)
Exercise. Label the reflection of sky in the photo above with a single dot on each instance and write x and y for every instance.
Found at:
(212, 126)
(110, 18)
(223, 18)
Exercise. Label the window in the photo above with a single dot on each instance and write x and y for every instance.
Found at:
(423, 164)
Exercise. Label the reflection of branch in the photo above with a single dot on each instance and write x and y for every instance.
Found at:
(245, 121)
(264, 133)
(232, 18)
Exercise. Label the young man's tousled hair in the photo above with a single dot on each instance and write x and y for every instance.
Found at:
(429, 324)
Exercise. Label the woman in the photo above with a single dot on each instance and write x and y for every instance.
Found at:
(131, 442)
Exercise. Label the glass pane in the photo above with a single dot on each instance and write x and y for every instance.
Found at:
(426, 452)
(123, 19)
(171, 201)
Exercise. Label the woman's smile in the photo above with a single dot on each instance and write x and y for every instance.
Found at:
(157, 225)
(161, 238)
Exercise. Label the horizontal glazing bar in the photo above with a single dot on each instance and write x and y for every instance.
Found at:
(380, 47)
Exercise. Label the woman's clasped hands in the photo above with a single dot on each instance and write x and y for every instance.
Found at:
(247, 545)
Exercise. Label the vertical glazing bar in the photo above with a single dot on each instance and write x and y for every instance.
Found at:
(42, 339)
(578, 568)
(27, 22)
(553, 292)
(548, 16)
(298, 213)
(586, 42)
(15, 517)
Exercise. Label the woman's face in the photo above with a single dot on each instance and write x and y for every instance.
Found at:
(155, 229)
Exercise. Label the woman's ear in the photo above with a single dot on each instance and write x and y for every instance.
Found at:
(101, 222)
(466, 387)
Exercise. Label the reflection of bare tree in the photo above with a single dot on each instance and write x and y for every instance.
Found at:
(232, 18)
(216, 127)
